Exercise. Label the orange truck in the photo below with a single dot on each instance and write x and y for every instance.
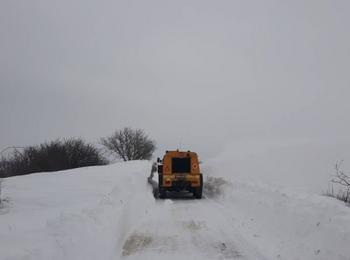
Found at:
(179, 171)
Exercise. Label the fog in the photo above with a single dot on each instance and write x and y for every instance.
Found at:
(194, 74)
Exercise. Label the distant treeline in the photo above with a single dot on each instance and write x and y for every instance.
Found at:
(51, 156)
(126, 144)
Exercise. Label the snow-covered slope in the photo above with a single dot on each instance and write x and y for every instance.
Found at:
(109, 212)
(83, 213)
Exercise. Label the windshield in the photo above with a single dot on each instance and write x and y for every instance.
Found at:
(181, 165)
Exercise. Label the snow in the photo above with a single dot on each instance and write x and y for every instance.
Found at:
(109, 212)
(77, 214)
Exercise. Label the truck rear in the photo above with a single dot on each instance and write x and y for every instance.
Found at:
(179, 171)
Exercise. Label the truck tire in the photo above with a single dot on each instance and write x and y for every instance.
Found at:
(162, 193)
(199, 191)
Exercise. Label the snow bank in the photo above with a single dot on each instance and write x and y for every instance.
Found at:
(83, 213)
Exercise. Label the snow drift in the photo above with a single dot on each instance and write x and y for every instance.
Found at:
(76, 214)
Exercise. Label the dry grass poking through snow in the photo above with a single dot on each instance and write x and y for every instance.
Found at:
(342, 182)
(343, 195)
(136, 243)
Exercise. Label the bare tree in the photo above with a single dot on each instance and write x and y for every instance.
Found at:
(129, 144)
(344, 180)
(340, 177)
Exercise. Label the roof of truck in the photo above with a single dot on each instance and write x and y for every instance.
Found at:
(180, 153)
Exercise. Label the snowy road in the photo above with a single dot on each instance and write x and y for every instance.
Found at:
(195, 229)
(184, 226)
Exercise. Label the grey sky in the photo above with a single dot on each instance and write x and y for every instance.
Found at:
(191, 73)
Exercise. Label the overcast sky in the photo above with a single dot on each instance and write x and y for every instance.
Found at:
(194, 74)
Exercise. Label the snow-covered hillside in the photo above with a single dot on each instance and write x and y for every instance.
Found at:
(109, 212)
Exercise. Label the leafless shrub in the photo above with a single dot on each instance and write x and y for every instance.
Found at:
(129, 144)
(340, 177)
(343, 181)
(52, 156)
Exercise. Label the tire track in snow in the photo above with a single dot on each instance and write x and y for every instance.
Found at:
(191, 228)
